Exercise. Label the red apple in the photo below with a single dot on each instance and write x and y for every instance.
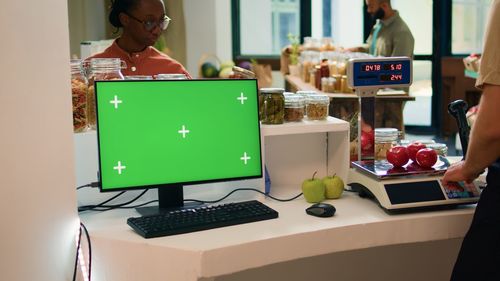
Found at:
(367, 140)
(426, 157)
(413, 148)
(398, 156)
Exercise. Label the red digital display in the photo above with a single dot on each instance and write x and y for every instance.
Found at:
(374, 67)
(391, 77)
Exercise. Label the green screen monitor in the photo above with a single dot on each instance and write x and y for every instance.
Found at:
(165, 134)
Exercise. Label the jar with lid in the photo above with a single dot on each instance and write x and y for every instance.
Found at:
(305, 94)
(273, 105)
(79, 88)
(440, 148)
(385, 139)
(294, 108)
(317, 107)
(101, 69)
(327, 44)
(173, 76)
(138, 77)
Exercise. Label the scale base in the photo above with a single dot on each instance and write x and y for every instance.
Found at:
(414, 194)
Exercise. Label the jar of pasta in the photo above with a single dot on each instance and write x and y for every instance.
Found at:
(79, 88)
(101, 69)
(273, 105)
(385, 139)
(317, 107)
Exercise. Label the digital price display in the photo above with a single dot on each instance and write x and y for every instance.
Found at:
(380, 72)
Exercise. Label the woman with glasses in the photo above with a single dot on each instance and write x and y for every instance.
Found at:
(142, 22)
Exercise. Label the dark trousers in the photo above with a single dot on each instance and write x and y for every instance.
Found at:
(479, 256)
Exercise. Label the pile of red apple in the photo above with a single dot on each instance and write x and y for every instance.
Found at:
(399, 156)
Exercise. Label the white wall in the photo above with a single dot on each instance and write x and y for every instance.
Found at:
(347, 22)
(208, 31)
(37, 186)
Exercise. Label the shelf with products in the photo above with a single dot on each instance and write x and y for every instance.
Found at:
(389, 103)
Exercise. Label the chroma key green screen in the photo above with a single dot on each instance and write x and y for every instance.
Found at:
(177, 131)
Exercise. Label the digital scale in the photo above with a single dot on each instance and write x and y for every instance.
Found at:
(407, 188)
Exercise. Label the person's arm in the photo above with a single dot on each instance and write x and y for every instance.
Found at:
(484, 142)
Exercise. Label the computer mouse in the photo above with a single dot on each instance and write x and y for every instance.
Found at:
(321, 210)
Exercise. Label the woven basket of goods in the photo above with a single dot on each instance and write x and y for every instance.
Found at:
(208, 66)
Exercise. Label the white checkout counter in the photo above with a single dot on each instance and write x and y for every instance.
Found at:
(361, 242)
(121, 254)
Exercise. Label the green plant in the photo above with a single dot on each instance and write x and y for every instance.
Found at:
(294, 48)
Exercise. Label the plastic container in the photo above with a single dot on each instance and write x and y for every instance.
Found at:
(79, 89)
(385, 139)
(101, 69)
(317, 107)
(272, 105)
(294, 108)
(169, 76)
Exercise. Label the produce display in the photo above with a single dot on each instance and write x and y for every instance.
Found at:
(316, 190)
(424, 158)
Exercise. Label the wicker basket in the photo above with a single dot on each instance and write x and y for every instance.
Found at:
(212, 58)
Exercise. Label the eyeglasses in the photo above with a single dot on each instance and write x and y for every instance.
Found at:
(152, 24)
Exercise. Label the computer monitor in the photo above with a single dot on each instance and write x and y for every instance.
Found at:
(170, 133)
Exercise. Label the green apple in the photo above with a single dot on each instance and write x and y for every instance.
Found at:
(334, 186)
(313, 189)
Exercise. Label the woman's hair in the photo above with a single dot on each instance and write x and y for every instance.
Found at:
(118, 7)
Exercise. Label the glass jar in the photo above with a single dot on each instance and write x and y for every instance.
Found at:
(101, 69)
(385, 139)
(440, 148)
(317, 107)
(273, 105)
(312, 76)
(138, 77)
(79, 89)
(338, 81)
(175, 76)
(294, 108)
(327, 44)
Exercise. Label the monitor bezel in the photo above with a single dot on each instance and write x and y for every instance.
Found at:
(182, 183)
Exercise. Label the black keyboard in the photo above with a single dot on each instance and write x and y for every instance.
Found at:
(201, 218)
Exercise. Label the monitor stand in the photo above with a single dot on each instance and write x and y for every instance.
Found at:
(170, 197)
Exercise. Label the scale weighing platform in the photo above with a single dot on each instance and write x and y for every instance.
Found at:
(411, 187)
